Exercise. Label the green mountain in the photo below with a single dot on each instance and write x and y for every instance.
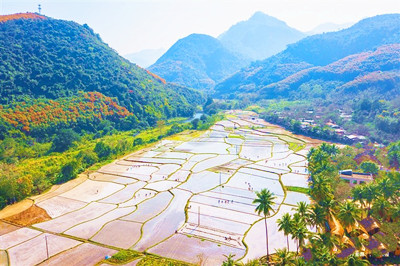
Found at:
(198, 61)
(260, 37)
(313, 51)
(58, 74)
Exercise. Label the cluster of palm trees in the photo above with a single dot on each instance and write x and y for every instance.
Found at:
(380, 198)
(328, 225)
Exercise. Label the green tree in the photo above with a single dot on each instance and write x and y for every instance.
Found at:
(369, 167)
(229, 260)
(283, 257)
(195, 123)
(68, 171)
(348, 214)
(102, 150)
(354, 260)
(64, 139)
(299, 232)
(87, 157)
(138, 141)
(285, 225)
(302, 209)
(318, 216)
(265, 201)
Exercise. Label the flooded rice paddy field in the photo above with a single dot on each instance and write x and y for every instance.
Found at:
(180, 199)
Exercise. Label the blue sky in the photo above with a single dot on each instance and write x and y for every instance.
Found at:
(133, 25)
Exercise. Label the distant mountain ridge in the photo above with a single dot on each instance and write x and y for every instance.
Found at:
(145, 58)
(329, 27)
(197, 61)
(201, 61)
(312, 51)
(259, 37)
(378, 70)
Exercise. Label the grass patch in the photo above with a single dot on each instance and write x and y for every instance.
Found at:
(296, 146)
(234, 136)
(124, 256)
(153, 260)
(127, 255)
(298, 189)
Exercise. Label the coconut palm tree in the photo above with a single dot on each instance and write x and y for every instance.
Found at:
(386, 187)
(320, 188)
(265, 201)
(370, 193)
(317, 216)
(327, 240)
(302, 209)
(285, 225)
(229, 260)
(299, 232)
(358, 194)
(382, 207)
(354, 260)
(283, 257)
(348, 214)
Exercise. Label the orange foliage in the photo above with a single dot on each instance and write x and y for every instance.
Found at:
(42, 114)
(156, 77)
(4, 18)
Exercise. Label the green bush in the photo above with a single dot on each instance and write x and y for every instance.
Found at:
(102, 150)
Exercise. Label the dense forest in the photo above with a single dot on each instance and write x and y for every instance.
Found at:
(68, 101)
(47, 62)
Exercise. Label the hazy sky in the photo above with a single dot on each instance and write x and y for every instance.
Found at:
(133, 25)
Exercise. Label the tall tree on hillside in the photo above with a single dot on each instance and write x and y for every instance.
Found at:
(285, 225)
(265, 200)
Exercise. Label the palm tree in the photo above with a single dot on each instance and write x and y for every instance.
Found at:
(229, 260)
(302, 209)
(265, 200)
(299, 231)
(327, 240)
(285, 225)
(382, 207)
(320, 188)
(386, 187)
(358, 194)
(318, 216)
(348, 214)
(354, 260)
(283, 257)
(370, 193)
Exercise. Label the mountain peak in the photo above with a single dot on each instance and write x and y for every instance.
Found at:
(259, 37)
(198, 61)
(4, 18)
(262, 18)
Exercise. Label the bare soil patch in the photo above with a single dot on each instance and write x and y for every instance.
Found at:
(32, 215)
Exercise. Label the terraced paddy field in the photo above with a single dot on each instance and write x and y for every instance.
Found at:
(185, 198)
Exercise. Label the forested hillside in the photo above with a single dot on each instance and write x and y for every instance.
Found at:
(377, 72)
(46, 60)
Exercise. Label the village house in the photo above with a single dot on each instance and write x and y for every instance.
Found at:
(354, 178)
